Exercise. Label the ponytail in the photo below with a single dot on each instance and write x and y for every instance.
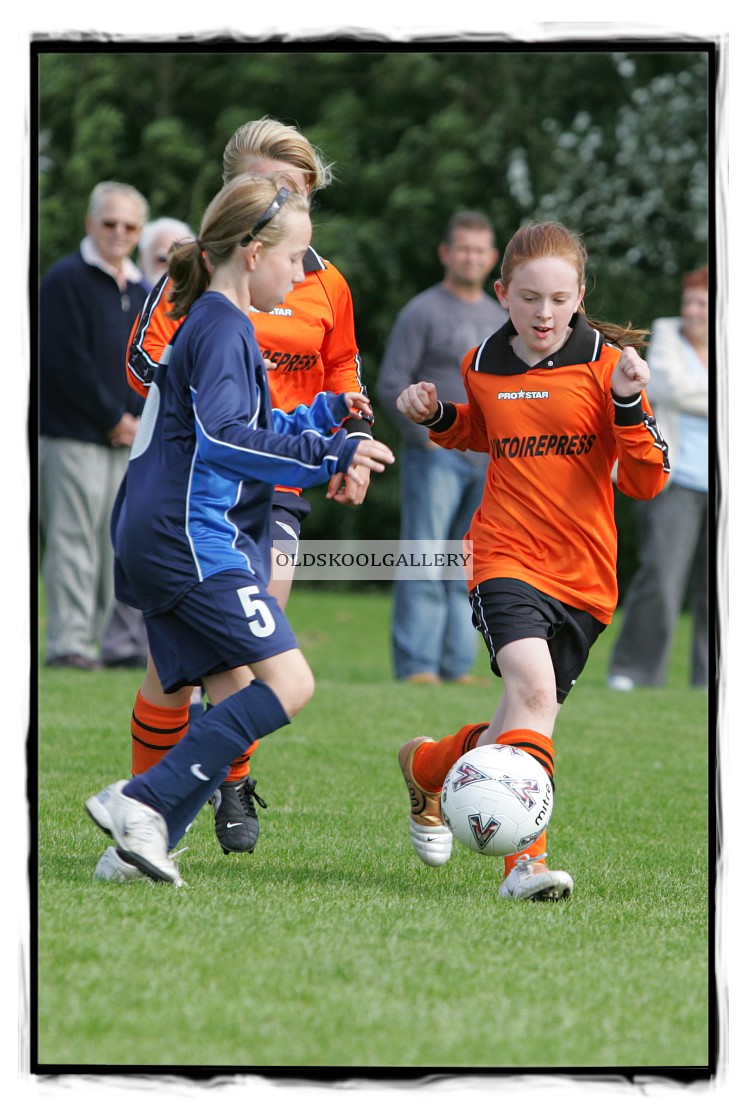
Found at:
(189, 277)
(621, 336)
(249, 207)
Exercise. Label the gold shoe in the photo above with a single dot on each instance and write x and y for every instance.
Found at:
(430, 837)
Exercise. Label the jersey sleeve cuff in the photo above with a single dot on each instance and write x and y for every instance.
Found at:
(358, 424)
(628, 410)
(443, 419)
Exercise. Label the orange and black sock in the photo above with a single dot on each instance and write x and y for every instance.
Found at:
(541, 748)
(239, 769)
(155, 730)
(433, 761)
(240, 766)
(534, 743)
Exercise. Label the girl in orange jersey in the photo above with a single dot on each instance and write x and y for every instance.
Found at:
(309, 346)
(558, 401)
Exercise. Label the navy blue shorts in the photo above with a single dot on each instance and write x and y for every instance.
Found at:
(288, 511)
(229, 619)
(505, 610)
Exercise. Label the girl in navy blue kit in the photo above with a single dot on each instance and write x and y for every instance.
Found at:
(192, 523)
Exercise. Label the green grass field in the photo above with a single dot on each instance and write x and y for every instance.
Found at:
(333, 946)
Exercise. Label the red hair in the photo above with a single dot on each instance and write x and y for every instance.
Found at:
(551, 239)
(696, 279)
(543, 239)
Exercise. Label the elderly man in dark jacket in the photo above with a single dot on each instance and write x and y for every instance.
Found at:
(88, 419)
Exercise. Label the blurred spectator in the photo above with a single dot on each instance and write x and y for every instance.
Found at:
(155, 241)
(88, 417)
(432, 634)
(673, 528)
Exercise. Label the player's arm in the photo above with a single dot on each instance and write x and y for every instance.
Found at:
(343, 373)
(305, 459)
(460, 426)
(643, 459)
(326, 412)
(229, 440)
(339, 352)
(149, 337)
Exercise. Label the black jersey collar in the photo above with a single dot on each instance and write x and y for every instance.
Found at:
(312, 262)
(495, 355)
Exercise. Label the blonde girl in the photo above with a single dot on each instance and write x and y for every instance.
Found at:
(192, 527)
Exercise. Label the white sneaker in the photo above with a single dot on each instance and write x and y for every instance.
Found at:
(112, 868)
(139, 831)
(532, 878)
(618, 682)
(431, 839)
(433, 843)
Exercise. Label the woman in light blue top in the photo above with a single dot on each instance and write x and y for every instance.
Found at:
(673, 528)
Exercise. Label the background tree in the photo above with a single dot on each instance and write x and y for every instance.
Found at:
(613, 142)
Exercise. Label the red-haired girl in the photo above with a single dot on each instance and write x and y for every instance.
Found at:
(558, 401)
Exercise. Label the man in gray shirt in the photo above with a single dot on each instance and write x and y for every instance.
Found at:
(432, 634)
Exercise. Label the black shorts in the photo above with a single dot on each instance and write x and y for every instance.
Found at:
(288, 511)
(505, 610)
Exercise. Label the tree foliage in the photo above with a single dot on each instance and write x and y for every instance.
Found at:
(613, 142)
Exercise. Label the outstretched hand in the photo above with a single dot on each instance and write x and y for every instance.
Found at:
(343, 490)
(631, 374)
(359, 405)
(370, 455)
(418, 402)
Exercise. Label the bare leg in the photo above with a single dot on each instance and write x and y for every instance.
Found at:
(529, 699)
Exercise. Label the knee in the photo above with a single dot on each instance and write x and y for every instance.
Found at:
(539, 700)
(297, 690)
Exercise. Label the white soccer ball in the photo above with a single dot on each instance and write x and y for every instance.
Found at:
(497, 800)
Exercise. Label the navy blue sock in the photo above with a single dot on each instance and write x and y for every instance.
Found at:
(181, 783)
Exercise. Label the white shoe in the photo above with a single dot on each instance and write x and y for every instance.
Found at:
(138, 831)
(433, 843)
(532, 878)
(618, 682)
(112, 868)
(431, 839)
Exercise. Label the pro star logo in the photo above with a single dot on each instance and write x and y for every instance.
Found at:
(524, 395)
(483, 833)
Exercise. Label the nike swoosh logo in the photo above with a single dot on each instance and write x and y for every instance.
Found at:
(233, 824)
(196, 769)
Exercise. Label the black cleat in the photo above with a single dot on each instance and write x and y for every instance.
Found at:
(236, 821)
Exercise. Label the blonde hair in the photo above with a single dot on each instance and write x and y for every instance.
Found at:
(270, 139)
(230, 220)
(551, 239)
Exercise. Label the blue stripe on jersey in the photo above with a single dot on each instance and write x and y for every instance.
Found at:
(198, 492)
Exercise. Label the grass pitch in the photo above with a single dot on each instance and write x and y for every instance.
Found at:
(333, 947)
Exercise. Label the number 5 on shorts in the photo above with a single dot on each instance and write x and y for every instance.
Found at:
(261, 622)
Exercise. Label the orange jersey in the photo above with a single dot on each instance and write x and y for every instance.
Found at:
(310, 338)
(554, 433)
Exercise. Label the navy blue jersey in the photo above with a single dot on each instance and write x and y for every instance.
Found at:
(210, 450)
